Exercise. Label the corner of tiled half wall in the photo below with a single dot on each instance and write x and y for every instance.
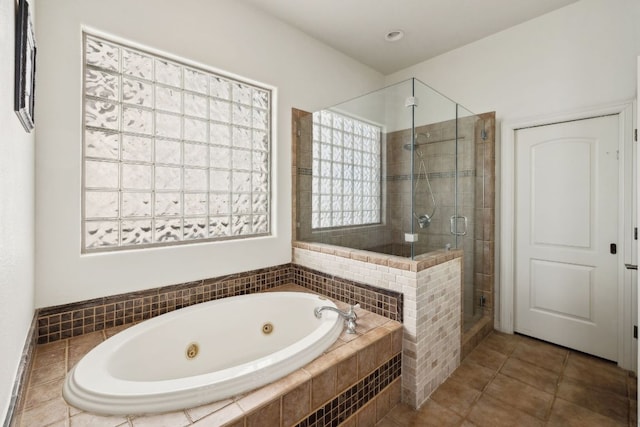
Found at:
(432, 304)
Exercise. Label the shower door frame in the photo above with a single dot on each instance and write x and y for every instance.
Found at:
(504, 315)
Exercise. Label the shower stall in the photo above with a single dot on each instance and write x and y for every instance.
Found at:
(402, 171)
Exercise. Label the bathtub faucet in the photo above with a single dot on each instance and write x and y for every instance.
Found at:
(349, 317)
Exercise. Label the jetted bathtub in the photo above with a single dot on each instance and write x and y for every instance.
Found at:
(202, 353)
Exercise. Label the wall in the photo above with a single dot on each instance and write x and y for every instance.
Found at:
(579, 56)
(224, 34)
(16, 218)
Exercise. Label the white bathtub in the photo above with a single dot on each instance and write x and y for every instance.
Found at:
(146, 369)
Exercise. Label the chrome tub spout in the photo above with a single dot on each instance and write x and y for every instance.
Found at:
(349, 317)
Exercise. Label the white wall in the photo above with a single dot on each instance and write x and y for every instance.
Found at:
(16, 218)
(224, 34)
(580, 56)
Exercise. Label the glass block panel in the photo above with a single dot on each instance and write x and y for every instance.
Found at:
(325, 134)
(137, 148)
(315, 203)
(241, 159)
(260, 99)
(196, 81)
(325, 152)
(336, 219)
(219, 157)
(347, 141)
(137, 92)
(325, 169)
(325, 203)
(219, 226)
(102, 54)
(196, 155)
(195, 228)
(168, 125)
(336, 138)
(315, 220)
(100, 174)
(260, 224)
(210, 154)
(168, 178)
(101, 204)
(260, 141)
(102, 114)
(336, 203)
(337, 122)
(195, 130)
(220, 87)
(242, 94)
(219, 203)
(326, 118)
(260, 203)
(168, 152)
(195, 179)
(325, 219)
(167, 204)
(347, 218)
(219, 134)
(169, 99)
(241, 204)
(101, 144)
(137, 64)
(136, 204)
(337, 171)
(137, 120)
(101, 84)
(168, 73)
(260, 182)
(220, 110)
(195, 204)
(241, 137)
(220, 180)
(240, 225)
(347, 125)
(260, 162)
(260, 119)
(195, 105)
(136, 232)
(136, 177)
(241, 181)
(168, 230)
(337, 154)
(100, 234)
(241, 115)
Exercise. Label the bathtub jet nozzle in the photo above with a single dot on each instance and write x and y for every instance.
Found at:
(349, 317)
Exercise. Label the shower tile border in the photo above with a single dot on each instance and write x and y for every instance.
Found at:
(75, 319)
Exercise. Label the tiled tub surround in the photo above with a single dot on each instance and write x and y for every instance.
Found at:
(431, 287)
(356, 381)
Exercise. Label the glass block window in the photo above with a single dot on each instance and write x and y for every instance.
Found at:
(172, 153)
(346, 171)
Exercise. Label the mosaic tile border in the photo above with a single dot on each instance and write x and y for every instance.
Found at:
(380, 301)
(355, 397)
(71, 320)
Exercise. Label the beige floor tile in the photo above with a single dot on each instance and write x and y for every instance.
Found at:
(566, 414)
(521, 396)
(48, 413)
(530, 374)
(541, 354)
(484, 356)
(597, 373)
(503, 343)
(489, 412)
(473, 375)
(595, 399)
(456, 396)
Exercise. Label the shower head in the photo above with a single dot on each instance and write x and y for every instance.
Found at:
(408, 146)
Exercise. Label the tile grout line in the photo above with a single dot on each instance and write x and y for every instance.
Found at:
(557, 387)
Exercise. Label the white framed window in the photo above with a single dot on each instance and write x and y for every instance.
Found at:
(345, 172)
(172, 153)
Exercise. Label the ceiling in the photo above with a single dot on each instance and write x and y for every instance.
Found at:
(432, 27)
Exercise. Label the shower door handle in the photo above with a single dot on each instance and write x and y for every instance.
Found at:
(454, 225)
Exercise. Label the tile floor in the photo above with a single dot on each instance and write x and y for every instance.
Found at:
(511, 380)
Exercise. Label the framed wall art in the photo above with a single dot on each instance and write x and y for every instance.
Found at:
(25, 67)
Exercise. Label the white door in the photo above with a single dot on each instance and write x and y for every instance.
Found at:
(566, 234)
